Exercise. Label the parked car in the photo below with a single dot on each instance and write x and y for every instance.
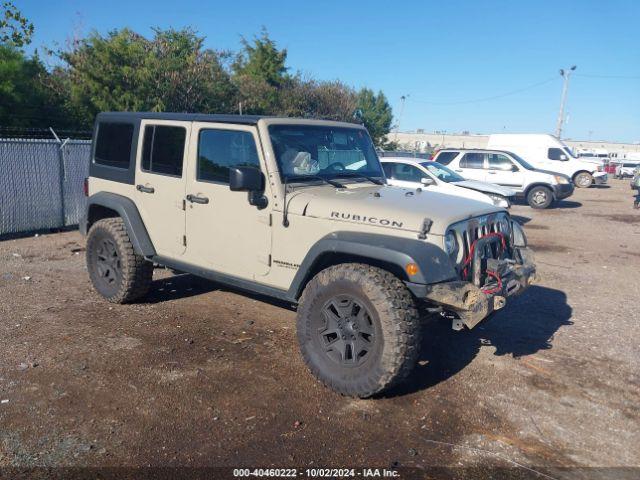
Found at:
(277, 207)
(626, 169)
(268, 205)
(416, 173)
(547, 152)
(539, 188)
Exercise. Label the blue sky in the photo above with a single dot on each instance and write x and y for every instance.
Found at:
(439, 53)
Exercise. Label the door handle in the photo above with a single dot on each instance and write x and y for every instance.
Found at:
(458, 170)
(143, 189)
(491, 173)
(195, 199)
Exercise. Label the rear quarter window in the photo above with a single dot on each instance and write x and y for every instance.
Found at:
(445, 158)
(113, 144)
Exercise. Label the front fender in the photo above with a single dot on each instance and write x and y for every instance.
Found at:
(434, 264)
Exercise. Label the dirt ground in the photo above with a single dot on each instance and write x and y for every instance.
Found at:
(201, 376)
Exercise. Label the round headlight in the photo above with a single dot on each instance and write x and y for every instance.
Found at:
(450, 243)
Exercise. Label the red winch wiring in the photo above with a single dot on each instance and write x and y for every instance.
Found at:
(497, 288)
(469, 257)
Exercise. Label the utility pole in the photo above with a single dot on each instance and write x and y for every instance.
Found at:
(565, 86)
(402, 99)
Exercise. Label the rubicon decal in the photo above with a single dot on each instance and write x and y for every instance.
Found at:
(352, 217)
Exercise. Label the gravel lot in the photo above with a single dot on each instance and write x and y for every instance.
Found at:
(202, 376)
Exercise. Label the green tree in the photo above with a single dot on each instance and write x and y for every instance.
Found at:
(260, 74)
(310, 98)
(260, 59)
(27, 101)
(14, 27)
(376, 114)
(125, 71)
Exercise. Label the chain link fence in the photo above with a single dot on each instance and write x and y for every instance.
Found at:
(41, 183)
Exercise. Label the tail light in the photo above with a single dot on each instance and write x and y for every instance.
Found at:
(85, 187)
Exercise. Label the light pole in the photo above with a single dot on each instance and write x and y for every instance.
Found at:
(402, 99)
(565, 86)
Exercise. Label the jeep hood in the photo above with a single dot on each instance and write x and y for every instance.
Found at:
(385, 206)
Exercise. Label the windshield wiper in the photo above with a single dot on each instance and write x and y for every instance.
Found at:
(289, 178)
(360, 175)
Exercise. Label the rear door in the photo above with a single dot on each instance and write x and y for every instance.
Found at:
(502, 171)
(224, 232)
(160, 183)
(472, 166)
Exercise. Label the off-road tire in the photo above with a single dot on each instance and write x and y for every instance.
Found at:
(392, 315)
(583, 179)
(130, 275)
(535, 194)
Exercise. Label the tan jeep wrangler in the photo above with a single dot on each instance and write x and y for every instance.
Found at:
(296, 210)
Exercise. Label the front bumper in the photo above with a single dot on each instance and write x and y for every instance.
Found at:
(469, 301)
(563, 190)
(600, 178)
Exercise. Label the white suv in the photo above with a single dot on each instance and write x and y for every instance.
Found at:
(540, 188)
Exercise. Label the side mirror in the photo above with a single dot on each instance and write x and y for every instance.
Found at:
(514, 168)
(563, 158)
(251, 180)
(426, 181)
(246, 179)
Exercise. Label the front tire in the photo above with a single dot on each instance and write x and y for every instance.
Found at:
(540, 197)
(358, 329)
(118, 273)
(583, 180)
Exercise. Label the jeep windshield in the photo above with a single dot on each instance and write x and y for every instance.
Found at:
(306, 152)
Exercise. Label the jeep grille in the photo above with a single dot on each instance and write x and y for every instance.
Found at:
(470, 230)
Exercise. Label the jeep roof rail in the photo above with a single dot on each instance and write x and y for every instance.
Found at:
(191, 117)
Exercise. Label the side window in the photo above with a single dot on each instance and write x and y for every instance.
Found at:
(220, 149)
(499, 162)
(388, 169)
(445, 158)
(555, 154)
(472, 160)
(113, 144)
(163, 149)
(407, 173)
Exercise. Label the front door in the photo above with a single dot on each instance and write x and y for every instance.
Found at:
(403, 175)
(160, 183)
(502, 171)
(224, 232)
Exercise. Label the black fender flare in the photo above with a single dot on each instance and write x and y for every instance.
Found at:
(434, 264)
(130, 215)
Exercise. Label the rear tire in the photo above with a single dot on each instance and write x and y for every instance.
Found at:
(117, 273)
(540, 197)
(583, 180)
(358, 329)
